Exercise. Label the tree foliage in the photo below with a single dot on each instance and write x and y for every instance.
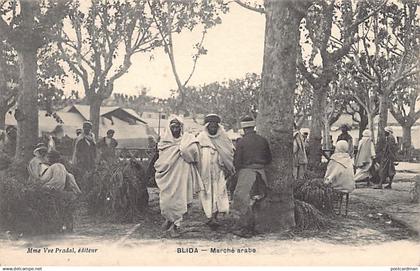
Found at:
(387, 53)
(232, 99)
(28, 26)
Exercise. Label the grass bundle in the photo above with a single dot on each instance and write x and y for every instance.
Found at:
(315, 192)
(117, 191)
(5, 160)
(33, 209)
(307, 217)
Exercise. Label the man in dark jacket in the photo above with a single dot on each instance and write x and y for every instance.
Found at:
(345, 128)
(84, 155)
(107, 147)
(251, 157)
(386, 155)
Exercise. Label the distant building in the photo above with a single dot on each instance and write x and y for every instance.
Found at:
(130, 130)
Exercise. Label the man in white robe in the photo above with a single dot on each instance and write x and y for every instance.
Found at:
(176, 174)
(216, 165)
(340, 169)
(364, 158)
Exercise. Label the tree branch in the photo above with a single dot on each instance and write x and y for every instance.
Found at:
(196, 58)
(249, 7)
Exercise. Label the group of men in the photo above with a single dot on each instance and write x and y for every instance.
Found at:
(87, 151)
(367, 163)
(202, 164)
(48, 167)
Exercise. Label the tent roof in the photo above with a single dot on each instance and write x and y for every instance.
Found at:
(105, 111)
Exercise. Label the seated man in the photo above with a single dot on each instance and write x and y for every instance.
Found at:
(340, 172)
(38, 165)
(56, 176)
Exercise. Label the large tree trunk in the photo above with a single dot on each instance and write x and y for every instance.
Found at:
(27, 107)
(276, 112)
(315, 135)
(406, 141)
(95, 114)
(3, 118)
(383, 121)
(363, 123)
(371, 126)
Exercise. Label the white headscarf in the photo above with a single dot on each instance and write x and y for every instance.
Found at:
(168, 137)
(341, 154)
(367, 133)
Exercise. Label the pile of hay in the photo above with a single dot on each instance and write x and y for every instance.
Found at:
(117, 191)
(32, 209)
(307, 217)
(315, 192)
(5, 160)
(316, 172)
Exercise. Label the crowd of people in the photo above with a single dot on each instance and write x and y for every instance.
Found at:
(210, 165)
(348, 165)
(202, 164)
(48, 169)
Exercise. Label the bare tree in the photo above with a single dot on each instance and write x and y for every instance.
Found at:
(171, 17)
(319, 23)
(101, 43)
(387, 53)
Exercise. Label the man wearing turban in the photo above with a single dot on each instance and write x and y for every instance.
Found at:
(176, 174)
(216, 165)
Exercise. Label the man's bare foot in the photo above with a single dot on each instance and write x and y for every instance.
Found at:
(166, 225)
(174, 231)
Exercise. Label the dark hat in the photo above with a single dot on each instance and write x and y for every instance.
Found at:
(87, 123)
(10, 127)
(247, 118)
(110, 131)
(212, 118)
(40, 147)
(345, 126)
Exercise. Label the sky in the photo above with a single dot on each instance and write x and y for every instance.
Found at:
(235, 47)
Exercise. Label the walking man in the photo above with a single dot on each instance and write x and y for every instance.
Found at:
(216, 165)
(364, 158)
(176, 174)
(345, 128)
(252, 155)
(300, 160)
(386, 155)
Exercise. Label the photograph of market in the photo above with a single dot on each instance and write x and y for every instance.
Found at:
(260, 132)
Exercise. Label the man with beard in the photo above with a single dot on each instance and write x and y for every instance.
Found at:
(176, 174)
(216, 165)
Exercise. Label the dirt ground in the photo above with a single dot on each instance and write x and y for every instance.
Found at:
(373, 233)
